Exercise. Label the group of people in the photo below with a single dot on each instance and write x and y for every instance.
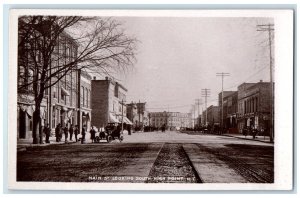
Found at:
(59, 131)
(68, 132)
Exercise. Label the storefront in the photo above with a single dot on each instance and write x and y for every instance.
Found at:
(25, 119)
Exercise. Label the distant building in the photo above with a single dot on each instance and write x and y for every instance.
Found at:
(132, 112)
(142, 113)
(254, 106)
(108, 103)
(172, 120)
(213, 115)
(230, 104)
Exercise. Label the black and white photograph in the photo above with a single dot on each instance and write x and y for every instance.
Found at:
(188, 99)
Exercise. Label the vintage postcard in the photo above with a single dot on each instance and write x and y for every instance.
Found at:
(150, 99)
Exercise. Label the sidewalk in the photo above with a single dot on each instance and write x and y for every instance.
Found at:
(22, 144)
(265, 139)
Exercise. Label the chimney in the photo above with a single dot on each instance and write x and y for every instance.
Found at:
(260, 81)
(94, 77)
(106, 78)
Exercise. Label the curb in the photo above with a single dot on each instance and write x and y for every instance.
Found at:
(247, 139)
(24, 148)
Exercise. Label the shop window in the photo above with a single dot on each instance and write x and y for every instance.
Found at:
(62, 96)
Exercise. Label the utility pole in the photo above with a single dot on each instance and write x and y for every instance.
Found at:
(205, 93)
(270, 28)
(222, 96)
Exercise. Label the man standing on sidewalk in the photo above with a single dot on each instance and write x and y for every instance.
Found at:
(66, 134)
(71, 132)
(93, 133)
(57, 133)
(76, 132)
(47, 133)
(83, 135)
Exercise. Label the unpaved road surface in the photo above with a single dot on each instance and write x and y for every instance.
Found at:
(171, 157)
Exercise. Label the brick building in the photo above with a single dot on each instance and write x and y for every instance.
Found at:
(230, 109)
(213, 116)
(108, 103)
(59, 104)
(254, 105)
(132, 112)
(63, 98)
(84, 109)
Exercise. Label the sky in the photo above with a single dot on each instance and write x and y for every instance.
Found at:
(178, 57)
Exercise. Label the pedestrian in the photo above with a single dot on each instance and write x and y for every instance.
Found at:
(76, 132)
(47, 133)
(71, 130)
(129, 129)
(60, 132)
(93, 133)
(66, 133)
(83, 135)
(57, 132)
(163, 128)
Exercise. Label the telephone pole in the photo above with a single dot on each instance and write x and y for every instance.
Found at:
(270, 28)
(205, 93)
(222, 75)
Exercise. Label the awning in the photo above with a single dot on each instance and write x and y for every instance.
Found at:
(127, 121)
(86, 114)
(65, 92)
(30, 111)
(112, 119)
(64, 108)
(70, 113)
(23, 107)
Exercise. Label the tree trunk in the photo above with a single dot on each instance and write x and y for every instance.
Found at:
(35, 123)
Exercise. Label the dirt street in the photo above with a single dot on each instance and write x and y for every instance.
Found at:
(152, 157)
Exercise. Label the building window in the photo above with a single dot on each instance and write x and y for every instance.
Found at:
(256, 104)
(86, 97)
(82, 97)
(21, 75)
(53, 117)
(62, 96)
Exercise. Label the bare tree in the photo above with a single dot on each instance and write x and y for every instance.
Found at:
(102, 46)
